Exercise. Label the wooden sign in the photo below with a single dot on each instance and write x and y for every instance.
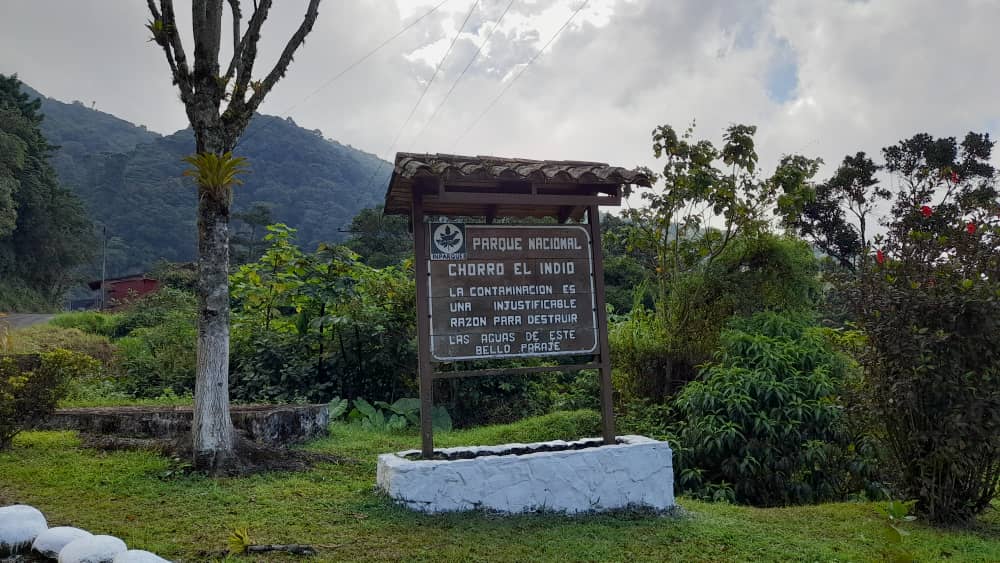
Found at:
(500, 291)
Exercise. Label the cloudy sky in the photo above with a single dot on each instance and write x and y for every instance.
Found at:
(820, 78)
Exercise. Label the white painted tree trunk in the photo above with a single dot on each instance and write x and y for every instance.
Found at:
(212, 427)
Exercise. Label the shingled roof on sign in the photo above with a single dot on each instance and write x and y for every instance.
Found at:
(412, 168)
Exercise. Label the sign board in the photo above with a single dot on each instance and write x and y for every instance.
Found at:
(502, 291)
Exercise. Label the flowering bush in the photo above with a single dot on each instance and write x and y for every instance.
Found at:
(930, 306)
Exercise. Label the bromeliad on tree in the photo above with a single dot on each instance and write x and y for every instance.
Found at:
(217, 174)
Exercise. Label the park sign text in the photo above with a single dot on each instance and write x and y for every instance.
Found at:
(502, 291)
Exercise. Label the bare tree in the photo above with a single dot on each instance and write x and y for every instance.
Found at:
(203, 89)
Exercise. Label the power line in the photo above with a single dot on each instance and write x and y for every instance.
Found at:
(433, 76)
(422, 94)
(518, 75)
(464, 70)
(348, 68)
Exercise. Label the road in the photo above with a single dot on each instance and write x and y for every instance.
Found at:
(23, 320)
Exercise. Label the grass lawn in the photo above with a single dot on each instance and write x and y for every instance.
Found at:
(137, 496)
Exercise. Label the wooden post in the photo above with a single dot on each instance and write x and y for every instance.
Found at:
(607, 392)
(423, 328)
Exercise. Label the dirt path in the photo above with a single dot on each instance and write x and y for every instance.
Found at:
(23, 320)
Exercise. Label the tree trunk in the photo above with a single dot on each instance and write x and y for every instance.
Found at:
(203, 92)
(214, 444)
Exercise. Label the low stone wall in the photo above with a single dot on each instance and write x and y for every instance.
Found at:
(570, 477)
(273, 425)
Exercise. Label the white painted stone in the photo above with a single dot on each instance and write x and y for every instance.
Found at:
(50, 542)
(20, 524)
(138, 556)
(93, 549)
(636, 472)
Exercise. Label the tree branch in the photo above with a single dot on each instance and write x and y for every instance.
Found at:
(242, 63)
(206, 23)
(172, 46)
(299, 37)
(234, 6)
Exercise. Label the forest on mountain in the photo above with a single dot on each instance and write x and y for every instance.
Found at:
(130, 181)
(44, 231)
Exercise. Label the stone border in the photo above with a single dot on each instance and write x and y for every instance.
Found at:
(570, 477)
(274, 425)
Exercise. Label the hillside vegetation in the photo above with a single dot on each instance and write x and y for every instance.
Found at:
(130, 181)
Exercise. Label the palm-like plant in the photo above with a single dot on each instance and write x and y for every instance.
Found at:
(216, 173)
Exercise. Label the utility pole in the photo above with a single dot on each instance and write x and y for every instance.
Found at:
(104, 265)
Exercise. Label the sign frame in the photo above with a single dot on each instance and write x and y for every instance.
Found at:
(430, 188)
(589, 303)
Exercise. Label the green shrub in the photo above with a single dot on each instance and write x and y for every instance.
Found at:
(658, 352)
(47, 338)
(762, 425)
(16, 296)
(646, 419)
(316, 326)
(933, 378)
(31, 386)
(91, 322)
(641, 355)
(160, 359)
(152, 309)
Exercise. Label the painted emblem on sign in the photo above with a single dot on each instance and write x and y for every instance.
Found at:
(448, 241)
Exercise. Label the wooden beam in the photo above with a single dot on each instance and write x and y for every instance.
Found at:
(607, 391)
(424, 370)
(513, 371)
(446, 197)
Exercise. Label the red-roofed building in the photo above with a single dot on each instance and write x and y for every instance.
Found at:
(119, 290)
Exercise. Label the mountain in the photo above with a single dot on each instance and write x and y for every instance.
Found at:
(131, 181)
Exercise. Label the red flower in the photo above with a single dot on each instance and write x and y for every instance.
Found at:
(927, 211)
(971, 227)
(879, 257)
(954, 177)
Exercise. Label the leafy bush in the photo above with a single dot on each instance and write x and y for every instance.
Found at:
(31, 386)
(762, 425)
(315, 326)
(399, 415)
(152, 309)
(16, 295)
(933, 373)
(47, 338)
(91, 322)
(658, 352)
(161, 359)
(647, 419)
(641, 355)
(929, 303)
(753, 274)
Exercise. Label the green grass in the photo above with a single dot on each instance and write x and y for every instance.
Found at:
(136, 496)
(109, 399)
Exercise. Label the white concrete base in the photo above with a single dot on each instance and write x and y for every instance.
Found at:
(635, 472)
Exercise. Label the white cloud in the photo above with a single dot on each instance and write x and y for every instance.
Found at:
(868, 73)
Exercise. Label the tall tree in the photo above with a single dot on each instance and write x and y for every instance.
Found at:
(381, 240)
(203, 89)
(835, 215)
(44, 230)
(249, 244)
